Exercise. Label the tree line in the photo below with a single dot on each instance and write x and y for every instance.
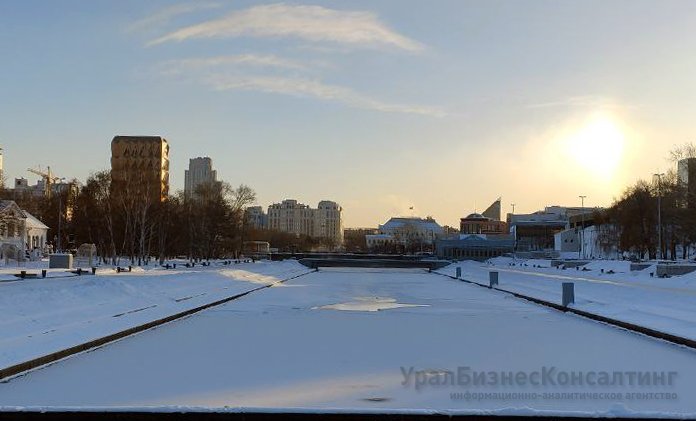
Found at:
(636, 215)
(126, 220)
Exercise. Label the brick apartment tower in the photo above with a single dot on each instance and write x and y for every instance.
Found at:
(140, 167)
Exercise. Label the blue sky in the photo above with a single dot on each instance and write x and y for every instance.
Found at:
(379, 105)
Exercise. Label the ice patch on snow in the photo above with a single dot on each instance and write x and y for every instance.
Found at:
(368, 304)
(245, 275)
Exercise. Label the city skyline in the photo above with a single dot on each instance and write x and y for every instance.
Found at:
(379, 106)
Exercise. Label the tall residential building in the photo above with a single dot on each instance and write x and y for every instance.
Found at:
(324, 222)
(200, 172)
(328, 222)
(256, 217)
(140, 166)
(2, 174)
(686, 169)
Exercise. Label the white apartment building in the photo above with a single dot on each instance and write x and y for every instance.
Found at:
(200, 171)
(290, 216)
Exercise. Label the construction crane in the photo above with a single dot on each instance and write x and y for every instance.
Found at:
(48, 177)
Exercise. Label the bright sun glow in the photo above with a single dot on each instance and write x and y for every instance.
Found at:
(597, 147)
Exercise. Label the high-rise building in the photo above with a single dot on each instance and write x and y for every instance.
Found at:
(140, 166)
(2, 174)
(200, 172)
(686, 169)
(293, 217)
(328, 222)
(256, 217)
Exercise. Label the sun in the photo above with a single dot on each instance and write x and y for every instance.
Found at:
(598, 146)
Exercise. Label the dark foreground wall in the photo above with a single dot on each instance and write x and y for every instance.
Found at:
(315, 263)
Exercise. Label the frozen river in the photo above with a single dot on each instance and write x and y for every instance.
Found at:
(375, 340)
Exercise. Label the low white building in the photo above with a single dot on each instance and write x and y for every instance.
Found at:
(378, 241)
(12, 229)
(567, 241)
(36, 233)
(408, 232)
(20, 232)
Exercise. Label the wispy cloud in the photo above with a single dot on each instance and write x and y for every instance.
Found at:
(589, 101)
(311, 23)
(165, 15)
(240, 60)
(315, 89)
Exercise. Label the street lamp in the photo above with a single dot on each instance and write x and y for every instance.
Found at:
(659, 213)
(582, 229)
(513, 208)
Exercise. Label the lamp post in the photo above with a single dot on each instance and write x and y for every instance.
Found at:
(582, 229)
(659, 214)
(513, 208)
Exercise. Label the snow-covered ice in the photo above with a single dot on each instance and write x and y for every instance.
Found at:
(667, 305)
(277, 349)
(41, 316)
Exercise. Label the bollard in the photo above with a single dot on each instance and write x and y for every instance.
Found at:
(492, 279)
(23, 274)
(459, 272)
(174, 265)
(568, 293)
(118, 269)
(94, 270)
(79, 271)
(43, 273)
(130, 268)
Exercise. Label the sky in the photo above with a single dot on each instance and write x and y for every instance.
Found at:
(438, 105)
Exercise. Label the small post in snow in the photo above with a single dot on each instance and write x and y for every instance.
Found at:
(568, 293)
(492, 279)
(459, 272)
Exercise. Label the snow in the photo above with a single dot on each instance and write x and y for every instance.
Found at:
(41, 316)
(667, 305)
(278, 350)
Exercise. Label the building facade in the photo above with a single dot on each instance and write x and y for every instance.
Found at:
(140, 166)
(20, 232)
(474, 246)
(686, 170)
(480, 224)
(406, 233)
(256, 217)
(200, 172)
(326, 221)
(537, 231)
